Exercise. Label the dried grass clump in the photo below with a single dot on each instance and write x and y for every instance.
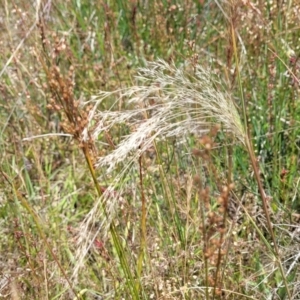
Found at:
(166, 102)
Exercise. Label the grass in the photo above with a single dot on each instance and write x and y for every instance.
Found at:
(149, 150)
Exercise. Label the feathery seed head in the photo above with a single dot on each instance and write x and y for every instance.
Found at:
(166, 102)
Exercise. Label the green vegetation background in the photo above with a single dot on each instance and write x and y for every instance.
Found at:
(47, 189)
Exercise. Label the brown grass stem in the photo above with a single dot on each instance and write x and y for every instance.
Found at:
(143, 229)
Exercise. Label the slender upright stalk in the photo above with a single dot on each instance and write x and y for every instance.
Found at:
(255, 167)
(143, 244)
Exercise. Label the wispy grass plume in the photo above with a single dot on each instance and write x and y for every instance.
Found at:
(166, 101)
